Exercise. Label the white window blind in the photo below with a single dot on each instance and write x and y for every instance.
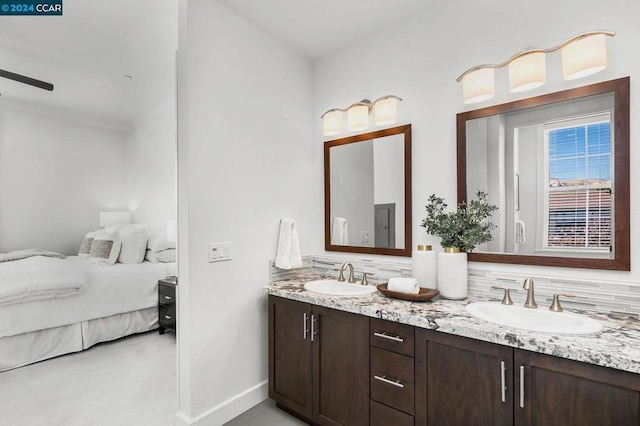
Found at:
(579, 198)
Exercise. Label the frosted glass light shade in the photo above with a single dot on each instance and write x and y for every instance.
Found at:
(386, 111)
(358, 118)
(527, 72)
(584, 57)
(478, 86)
(332, 123)
(114, 218)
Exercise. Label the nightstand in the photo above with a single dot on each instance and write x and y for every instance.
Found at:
(167, 304)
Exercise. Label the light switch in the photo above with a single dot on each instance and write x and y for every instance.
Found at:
(365, 236)
(219, 252)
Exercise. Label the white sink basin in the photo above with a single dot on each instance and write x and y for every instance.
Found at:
(337, 288)
(541, 319)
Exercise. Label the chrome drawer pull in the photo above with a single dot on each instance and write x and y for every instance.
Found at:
(167, 317)
(304, 326)
(168, 297)
(391, 382)
(313, 327)
(522, 386)
(502, 380)
(386, 336)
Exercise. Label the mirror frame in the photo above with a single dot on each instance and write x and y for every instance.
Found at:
(400, 130)
(621, 259)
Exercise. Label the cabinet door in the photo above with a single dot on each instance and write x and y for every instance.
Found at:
(555, 391)
(340, 368)
(462, 381)
(290, 353)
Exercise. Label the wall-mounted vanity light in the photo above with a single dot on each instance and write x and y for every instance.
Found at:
(582, 55)
(385, 112)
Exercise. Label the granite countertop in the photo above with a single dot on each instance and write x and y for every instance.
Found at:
(617, 346)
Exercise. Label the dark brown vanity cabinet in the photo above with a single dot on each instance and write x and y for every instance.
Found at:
(462, 381)
(556, 391)
(392, 373)
(319, 362)
(466, 381)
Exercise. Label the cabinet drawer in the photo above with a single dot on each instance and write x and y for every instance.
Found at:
(167, 315)
(381, 415)
(392, 379)
(392, 336)
(166, 294)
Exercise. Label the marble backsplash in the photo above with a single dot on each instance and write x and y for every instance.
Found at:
(593, 295)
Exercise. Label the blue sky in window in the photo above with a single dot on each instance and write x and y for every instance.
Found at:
(580, 152)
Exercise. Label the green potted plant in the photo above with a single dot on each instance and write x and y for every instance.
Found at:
(460, 232)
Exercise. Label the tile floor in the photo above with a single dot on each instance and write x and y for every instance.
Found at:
(265, 414)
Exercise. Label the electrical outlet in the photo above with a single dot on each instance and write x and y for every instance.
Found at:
(365, 236)
(219, 252)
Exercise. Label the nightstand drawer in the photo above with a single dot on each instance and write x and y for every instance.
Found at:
(392, 379)
(167, 316)
(166, 294)
(392, 336)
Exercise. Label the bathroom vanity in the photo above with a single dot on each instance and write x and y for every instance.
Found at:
(373, 360)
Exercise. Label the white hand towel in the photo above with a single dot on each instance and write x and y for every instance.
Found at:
(404, 285)
(340, 232)
(288, 255)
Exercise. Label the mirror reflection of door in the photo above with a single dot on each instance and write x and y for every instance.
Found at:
(385, 220)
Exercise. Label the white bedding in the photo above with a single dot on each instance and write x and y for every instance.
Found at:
(39, 277)
(110, 290)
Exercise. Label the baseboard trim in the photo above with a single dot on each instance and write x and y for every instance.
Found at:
(229, 409)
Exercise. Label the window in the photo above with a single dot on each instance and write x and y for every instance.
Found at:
(578, 197)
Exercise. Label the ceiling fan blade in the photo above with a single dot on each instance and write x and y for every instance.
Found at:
(26, 80)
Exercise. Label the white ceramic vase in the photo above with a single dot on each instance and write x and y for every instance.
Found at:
(424, 266)
(452, 273)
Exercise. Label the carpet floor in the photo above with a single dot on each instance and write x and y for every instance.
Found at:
(130, 381)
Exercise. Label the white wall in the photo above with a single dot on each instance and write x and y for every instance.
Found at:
(388, 179)
(242, 167)
(420, 59)
(55, 178)
(151, 180)
(352, 189)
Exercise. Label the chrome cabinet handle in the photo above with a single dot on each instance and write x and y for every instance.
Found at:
(503, 387)
(391, 382)
(304, 326)
(313, 328)
(386, 336)
(522, 386)
(168, 297)
(167, 317)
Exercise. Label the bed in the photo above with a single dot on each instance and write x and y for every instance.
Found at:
(114, 301)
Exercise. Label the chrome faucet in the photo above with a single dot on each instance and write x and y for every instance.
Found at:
(531, 301)
(352, 279)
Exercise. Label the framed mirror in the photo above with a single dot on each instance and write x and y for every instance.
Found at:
(557, 167)
(367, 193)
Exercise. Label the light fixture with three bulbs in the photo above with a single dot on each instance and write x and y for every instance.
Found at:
(385, 112)
(582, 55)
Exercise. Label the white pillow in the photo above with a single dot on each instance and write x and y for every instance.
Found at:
(105, 247)
(134, 243)
(85, 247)
(164, 256)
(158, 242)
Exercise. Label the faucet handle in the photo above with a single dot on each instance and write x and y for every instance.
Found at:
(364, 278)
(506, 300)
(555, 306)
(341, 277)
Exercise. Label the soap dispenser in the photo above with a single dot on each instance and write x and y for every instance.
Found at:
(424, 262)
